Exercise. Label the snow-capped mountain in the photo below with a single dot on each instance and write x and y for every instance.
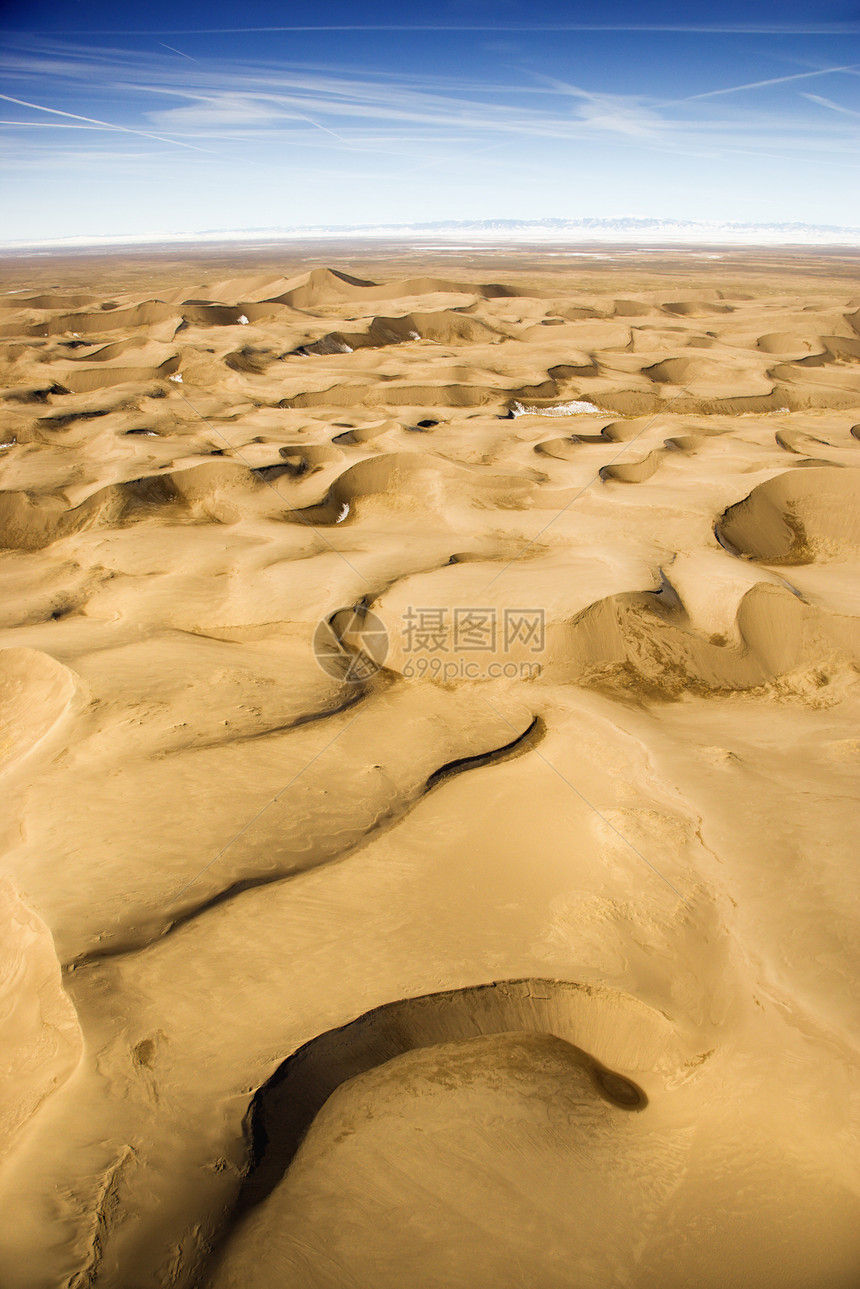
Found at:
(626, 231)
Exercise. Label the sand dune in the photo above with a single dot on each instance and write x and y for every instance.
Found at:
(444, 327)
(645, 645)
(797, 517)
(35, 692)
(199, 493)
(101, 320)
(428, 727)
(632, 471)
(285, 1108)
(699, 308)
(41, 1038)
(331, 286)
(786, 344)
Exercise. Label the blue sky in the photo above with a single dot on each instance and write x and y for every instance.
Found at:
(182, 118)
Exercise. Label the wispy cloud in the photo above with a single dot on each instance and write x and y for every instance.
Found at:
(209, 102)
(773, 80)
(313, 132)
(216, 110)
(625, 114)
(179, 52)
(219, 106)
(91, 121)
(849, 27)
(834, 107)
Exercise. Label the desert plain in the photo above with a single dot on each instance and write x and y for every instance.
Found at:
(429, 751)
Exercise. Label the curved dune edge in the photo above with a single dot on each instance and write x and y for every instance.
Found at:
(492, 1161)
(330, 286)
(40, 1039)
(282, 1110)
(520, 744)
(356, 826)
(633, 471)
(79, 379)
(796, 518)
(443, 327)
(35, 693)
(529, 1017)
(643, 647)
(445, 1153)
(213, 491)
(400, 478)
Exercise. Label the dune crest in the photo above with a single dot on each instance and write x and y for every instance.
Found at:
(40, 1037)
(35, 693)
(798, 517)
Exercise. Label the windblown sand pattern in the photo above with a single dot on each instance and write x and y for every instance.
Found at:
(514, 941)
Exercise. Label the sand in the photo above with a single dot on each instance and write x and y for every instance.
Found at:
(428, 740)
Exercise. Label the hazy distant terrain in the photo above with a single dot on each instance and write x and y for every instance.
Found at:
(567, 232)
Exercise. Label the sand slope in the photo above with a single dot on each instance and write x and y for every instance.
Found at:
(517, 945)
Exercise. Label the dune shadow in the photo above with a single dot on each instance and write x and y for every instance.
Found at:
(284, 1108)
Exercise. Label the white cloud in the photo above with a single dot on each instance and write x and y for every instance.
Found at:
(217, 110)
(617, 116)
(91, 121)
(826, 102)
(767, 84)
(300, 134)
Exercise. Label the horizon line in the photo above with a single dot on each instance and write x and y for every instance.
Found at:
(708, 233)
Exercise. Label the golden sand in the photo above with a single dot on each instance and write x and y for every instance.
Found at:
(428, 734)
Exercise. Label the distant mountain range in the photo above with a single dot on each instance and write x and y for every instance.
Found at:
(640, 233)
